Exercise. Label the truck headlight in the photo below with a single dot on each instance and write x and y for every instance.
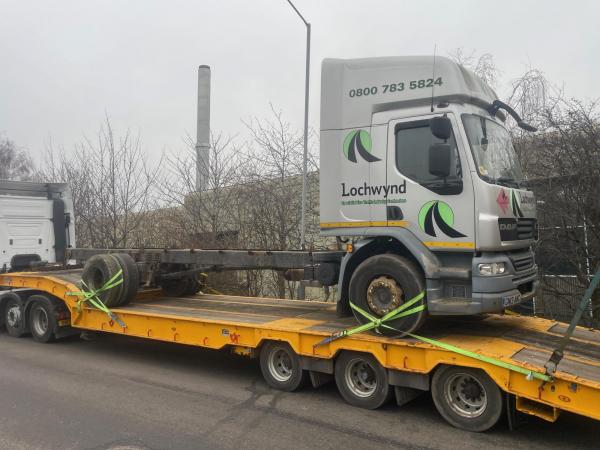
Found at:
(489, 269)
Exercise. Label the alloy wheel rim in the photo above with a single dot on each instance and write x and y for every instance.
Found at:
(280, 365)
(465, 395)
(361, 378)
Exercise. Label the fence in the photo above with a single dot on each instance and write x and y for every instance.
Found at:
(558, 298)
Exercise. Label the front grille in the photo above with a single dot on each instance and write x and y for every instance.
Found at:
(525, 228)
(522, 261)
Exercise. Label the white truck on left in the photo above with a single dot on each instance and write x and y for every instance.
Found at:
(36, 224)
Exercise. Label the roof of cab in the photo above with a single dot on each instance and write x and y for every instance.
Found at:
(342, 106)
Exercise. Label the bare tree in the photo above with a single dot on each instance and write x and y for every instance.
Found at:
(482, 65)
(270, 208)
(15, 163)
(111, 182)
(530, 96)
(565, 176)
(204, 218)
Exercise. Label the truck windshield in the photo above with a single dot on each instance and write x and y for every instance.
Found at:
(493, 151)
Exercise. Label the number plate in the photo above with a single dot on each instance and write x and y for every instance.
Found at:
(510, 300)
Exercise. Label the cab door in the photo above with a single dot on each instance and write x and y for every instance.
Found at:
(438, 211)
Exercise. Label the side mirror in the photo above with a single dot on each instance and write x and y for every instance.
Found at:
(441, 127)
(440, 160)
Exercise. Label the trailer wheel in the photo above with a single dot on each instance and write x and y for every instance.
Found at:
(97, 271)
(281, 367)
(131, 277)
(361, 380)
(14, 317)
(467, 398)
(42, 319)
(381, 284)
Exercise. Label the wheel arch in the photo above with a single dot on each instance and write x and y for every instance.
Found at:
(427, 263)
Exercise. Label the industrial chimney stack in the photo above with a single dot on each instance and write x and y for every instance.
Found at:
(203, 129)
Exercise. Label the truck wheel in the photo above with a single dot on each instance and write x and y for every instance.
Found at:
(361, 380)
(131, 277)
(381, 284)
(281, 367)
(42, 319)
(14, 317)
(467, 398)
(97, 271)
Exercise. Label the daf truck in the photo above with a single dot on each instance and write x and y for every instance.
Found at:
(420, 182)
(421, 170)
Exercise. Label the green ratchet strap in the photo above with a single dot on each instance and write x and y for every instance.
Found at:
(375, 322)
(92, 296)
(496, 362)
(403, 311)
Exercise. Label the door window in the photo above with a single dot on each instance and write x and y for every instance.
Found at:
(412, 158)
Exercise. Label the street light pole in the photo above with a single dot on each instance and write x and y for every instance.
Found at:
(305, 158)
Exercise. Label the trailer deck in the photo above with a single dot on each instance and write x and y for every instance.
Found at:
(244, 323)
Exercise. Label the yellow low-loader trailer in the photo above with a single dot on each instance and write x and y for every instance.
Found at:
(512, 349)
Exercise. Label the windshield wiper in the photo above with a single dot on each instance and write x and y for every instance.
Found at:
(497, 104)
(500, 181)
(507, 180)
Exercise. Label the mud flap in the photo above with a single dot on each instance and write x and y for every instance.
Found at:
(405, 394)
(514, 418)
(318, 379)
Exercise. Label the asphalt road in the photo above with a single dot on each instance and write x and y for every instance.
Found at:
(124, 393)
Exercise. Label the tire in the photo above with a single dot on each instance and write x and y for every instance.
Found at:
(15, 319)
(97, 271)
(42, 319)
(281, 367)
(131, 278)
(362, 381)
(381, 284)
(467, 398)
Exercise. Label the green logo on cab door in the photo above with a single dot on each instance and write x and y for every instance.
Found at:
(441, 214)
(359, 142)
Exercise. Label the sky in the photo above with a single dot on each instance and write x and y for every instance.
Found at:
(66, 64)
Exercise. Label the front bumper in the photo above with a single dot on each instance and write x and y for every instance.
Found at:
(490, 294)
(479, 303)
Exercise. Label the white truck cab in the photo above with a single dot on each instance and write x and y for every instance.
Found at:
(36, 224)
(418, 169)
